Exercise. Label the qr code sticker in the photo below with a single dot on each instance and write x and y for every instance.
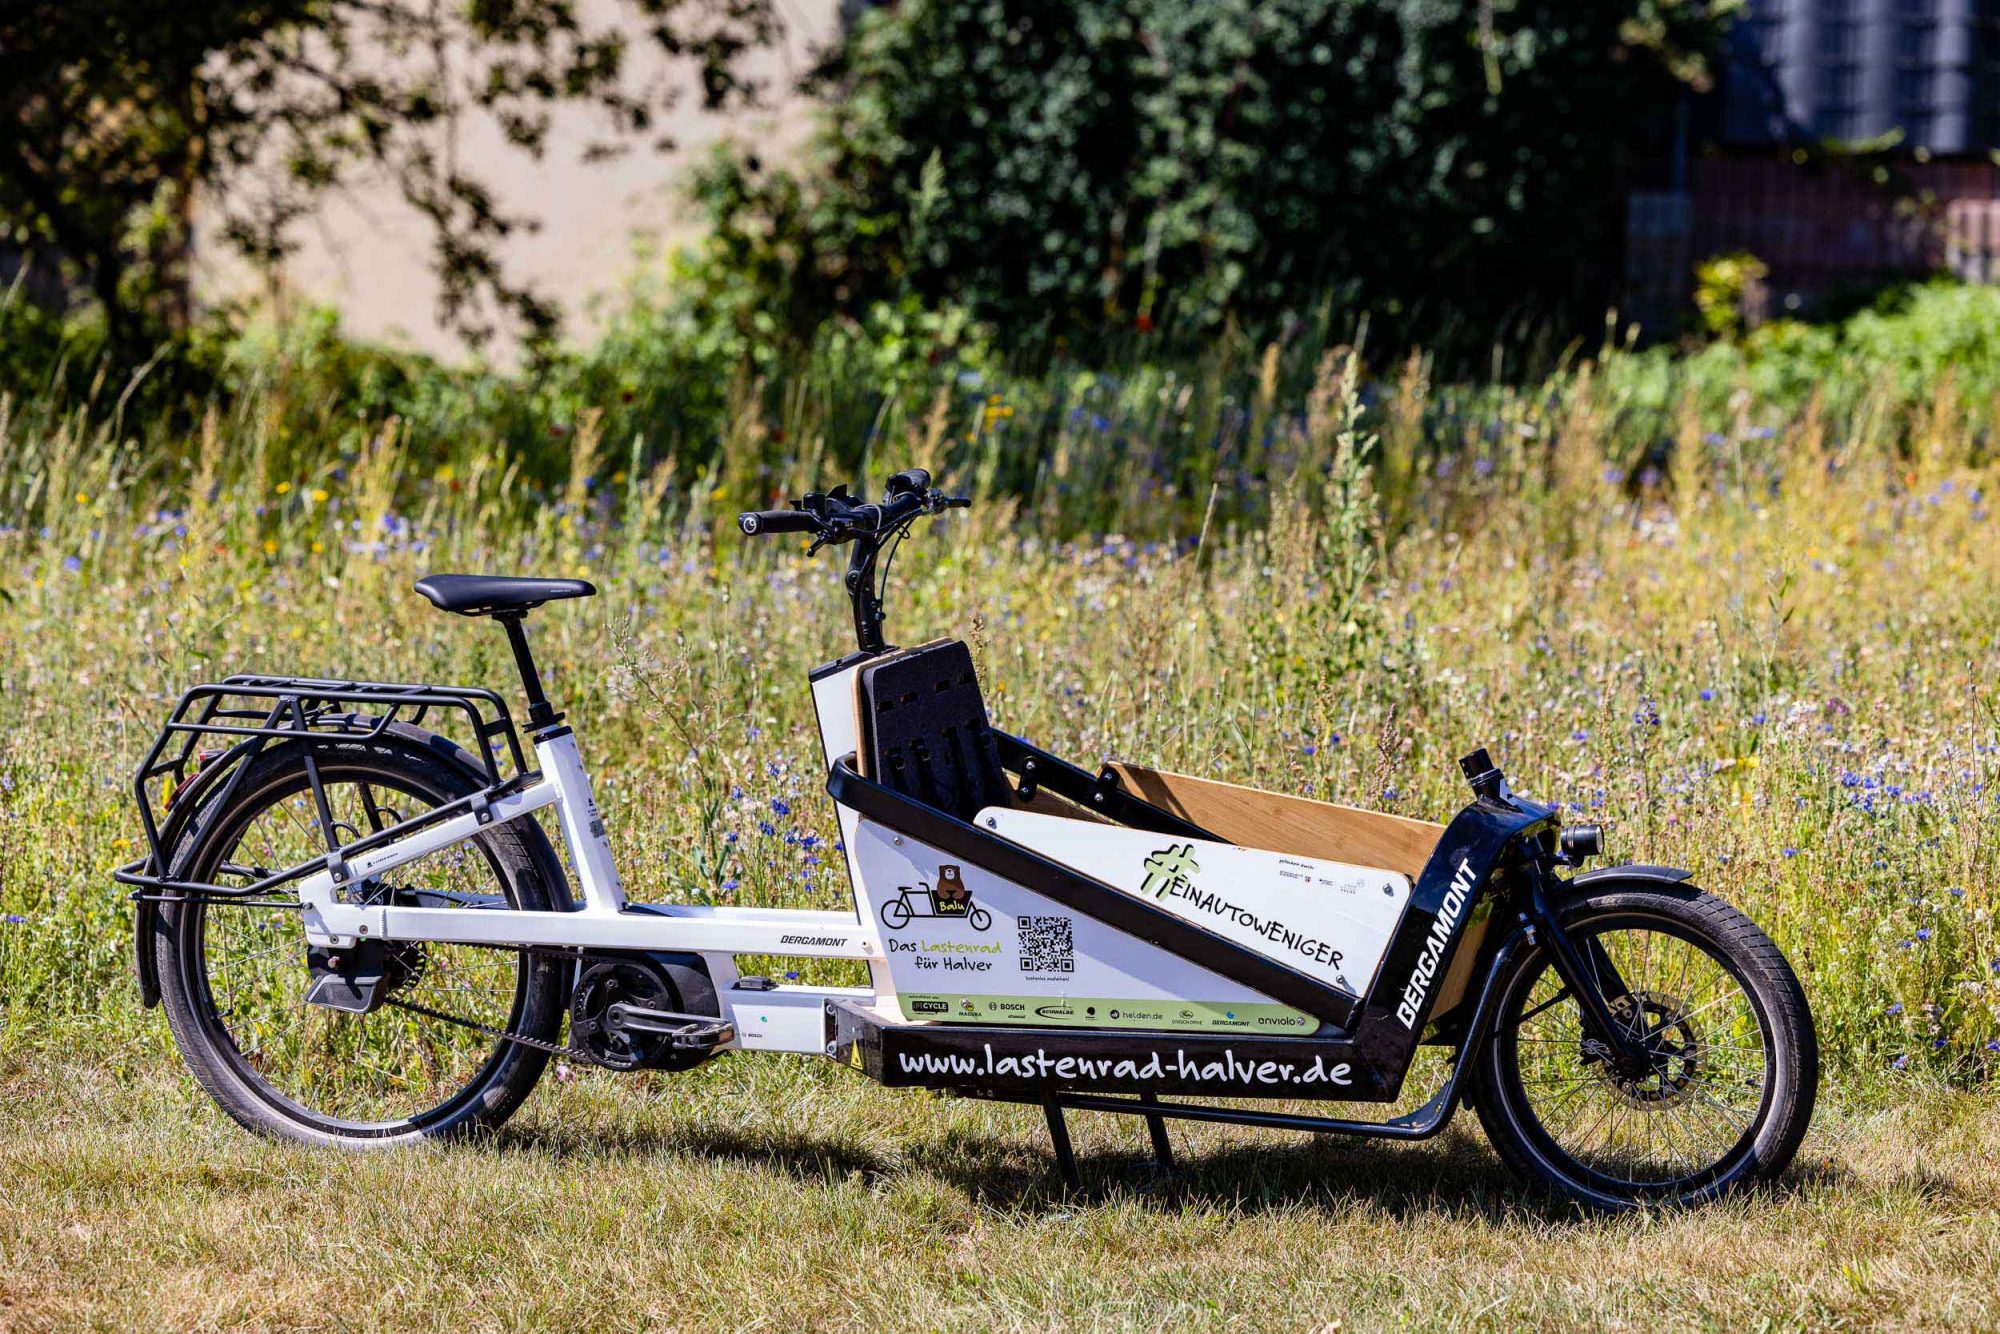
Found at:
(1047, 945)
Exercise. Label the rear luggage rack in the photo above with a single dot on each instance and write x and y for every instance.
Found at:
(252, 711)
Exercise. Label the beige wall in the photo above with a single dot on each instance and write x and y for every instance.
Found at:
(366, 253)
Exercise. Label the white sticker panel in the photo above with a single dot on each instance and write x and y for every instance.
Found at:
(964, 945)
(1326, 919)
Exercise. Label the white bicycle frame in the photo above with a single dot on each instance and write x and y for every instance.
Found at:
(784, 1018)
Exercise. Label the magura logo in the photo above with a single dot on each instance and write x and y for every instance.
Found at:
(1425, 972)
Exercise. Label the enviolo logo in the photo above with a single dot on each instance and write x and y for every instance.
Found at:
(1425, 972)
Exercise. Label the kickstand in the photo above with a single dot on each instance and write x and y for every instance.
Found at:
(1059, 1137)
(1163, 1148)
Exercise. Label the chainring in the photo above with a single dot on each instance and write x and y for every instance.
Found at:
(603, 984)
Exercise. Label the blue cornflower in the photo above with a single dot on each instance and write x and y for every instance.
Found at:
(13, 919)
(1993, 1044)
(1895, 1007)
(1956, 892)
(729, 837)
(792, 976)
(1757, 719)
(1309, 748)
(1707, 695)
(779, 806)
(72, 563)
(1923, 933)
(1900, 1063)
(766, 827)
(1939, 1044)
(730, 884)
(1791, 852)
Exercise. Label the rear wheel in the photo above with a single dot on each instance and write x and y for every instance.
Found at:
(234, 976)
(1733, 1061)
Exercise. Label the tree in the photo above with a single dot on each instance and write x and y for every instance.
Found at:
(115, 114)
(1113, 165)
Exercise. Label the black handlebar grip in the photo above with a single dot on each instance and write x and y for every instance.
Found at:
(755, 523)
(915, 479)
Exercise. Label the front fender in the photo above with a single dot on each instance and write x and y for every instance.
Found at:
(1658, 875)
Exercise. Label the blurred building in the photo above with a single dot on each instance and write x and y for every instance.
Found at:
(1847, 143)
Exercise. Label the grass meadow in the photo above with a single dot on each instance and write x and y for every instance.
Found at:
(1754, 639)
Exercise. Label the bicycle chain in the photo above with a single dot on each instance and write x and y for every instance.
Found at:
(553, 1048)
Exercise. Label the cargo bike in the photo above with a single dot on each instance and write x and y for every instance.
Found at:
(362, 936)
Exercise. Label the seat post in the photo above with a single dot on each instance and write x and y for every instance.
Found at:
(541, 715)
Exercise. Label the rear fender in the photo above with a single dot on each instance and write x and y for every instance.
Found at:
(204, 785)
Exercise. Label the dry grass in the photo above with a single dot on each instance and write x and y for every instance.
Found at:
(781, 1194)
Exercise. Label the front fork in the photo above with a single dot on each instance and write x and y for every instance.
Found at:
(1586, 971)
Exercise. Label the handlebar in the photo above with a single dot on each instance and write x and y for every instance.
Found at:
(833, 516)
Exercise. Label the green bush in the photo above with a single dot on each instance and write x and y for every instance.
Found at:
(1082, 171)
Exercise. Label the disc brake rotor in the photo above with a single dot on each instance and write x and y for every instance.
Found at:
(1675, 1052)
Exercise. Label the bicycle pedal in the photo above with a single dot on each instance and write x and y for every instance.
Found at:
(704, 1037)
(686, 1032)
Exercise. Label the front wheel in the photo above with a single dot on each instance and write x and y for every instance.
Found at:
(1734, 1060)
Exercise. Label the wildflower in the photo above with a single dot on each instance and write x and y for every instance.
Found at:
(1956, 892)
(72, 563)
(1939, 1044)
(779, 806)
(792, 975)
(730, 884)
(1923, 933)
(13, 919)
(1707, 695)
(1993, 1044)
(284, 488)
(1791, 852)
(1895, 1007)
(1900, 1063)
(766, 828)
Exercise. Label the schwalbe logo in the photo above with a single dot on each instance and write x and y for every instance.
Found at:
(1425, 972)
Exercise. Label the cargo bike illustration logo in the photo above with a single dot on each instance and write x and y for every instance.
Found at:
(362, 935)
(951, 901)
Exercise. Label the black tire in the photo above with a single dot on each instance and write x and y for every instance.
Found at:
(1725, 1016)
(454, 1080)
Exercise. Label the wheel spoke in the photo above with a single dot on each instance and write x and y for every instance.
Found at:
(1706, 1046)
(381, 1068)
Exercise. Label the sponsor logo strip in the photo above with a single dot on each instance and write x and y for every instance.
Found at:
(1107, 1012)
